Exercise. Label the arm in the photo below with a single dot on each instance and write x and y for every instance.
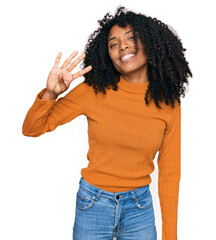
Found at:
(45, 115)
(169, 170)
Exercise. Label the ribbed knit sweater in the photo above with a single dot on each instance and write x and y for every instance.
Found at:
(124, 136)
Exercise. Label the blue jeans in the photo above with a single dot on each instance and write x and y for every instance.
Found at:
(103, 215)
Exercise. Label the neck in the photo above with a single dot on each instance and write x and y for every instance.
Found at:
(140, 76)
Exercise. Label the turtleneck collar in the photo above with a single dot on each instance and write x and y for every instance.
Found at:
(132, 87)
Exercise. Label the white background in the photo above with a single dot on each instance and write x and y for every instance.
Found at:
(39, 177)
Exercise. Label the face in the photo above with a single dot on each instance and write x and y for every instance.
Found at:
(120, 43)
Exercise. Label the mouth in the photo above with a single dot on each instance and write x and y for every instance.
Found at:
(127, 58)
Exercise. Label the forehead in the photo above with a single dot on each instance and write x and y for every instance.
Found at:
(116, 29)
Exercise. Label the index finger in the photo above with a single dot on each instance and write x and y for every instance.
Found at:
(57, 60)
(82, 72)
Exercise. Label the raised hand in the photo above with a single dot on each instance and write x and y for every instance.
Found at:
(59, 78)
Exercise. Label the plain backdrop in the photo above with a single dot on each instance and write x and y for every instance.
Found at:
(39, 177)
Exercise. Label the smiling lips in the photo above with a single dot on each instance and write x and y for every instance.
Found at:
(127, 57)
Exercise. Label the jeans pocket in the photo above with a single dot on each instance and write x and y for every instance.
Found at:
(144, 201)
(84, 199)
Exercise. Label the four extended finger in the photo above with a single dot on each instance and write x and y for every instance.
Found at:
(57, 60)
(75, 63)
(68, 60)
(81, 72)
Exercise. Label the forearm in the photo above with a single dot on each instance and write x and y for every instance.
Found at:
(46, 113)
(36, 120)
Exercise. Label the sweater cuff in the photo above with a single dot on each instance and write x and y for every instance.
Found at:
(39, 95)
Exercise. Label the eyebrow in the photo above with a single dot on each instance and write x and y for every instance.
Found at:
(124, 33)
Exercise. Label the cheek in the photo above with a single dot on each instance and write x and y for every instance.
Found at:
(114, 59)
(112, 55)
(142, 57)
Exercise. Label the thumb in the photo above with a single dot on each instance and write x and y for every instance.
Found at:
(67, 77)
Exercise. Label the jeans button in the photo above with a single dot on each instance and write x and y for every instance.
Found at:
(117, 197)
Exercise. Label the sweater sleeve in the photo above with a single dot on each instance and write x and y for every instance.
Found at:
(169, 170)
(45, 115)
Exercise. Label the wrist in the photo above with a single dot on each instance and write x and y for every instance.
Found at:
(49, 95)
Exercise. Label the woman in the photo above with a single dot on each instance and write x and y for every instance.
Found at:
(138, 66)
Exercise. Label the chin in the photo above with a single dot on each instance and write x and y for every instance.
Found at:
(127, 70)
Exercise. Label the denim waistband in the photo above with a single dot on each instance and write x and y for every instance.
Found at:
(121, 196)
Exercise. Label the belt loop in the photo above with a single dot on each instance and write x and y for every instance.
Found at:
(98, 194)
(133, 195)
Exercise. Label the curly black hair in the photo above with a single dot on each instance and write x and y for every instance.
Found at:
(167, 67)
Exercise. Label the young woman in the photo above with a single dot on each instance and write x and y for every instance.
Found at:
(135, 71)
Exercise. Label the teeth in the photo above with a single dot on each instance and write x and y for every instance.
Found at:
(127, 56)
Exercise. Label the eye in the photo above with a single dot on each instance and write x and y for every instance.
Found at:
(111, 46)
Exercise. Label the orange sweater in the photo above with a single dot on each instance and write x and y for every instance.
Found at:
(124, 136)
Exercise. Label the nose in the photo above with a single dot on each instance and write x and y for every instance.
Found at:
(123, 45)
